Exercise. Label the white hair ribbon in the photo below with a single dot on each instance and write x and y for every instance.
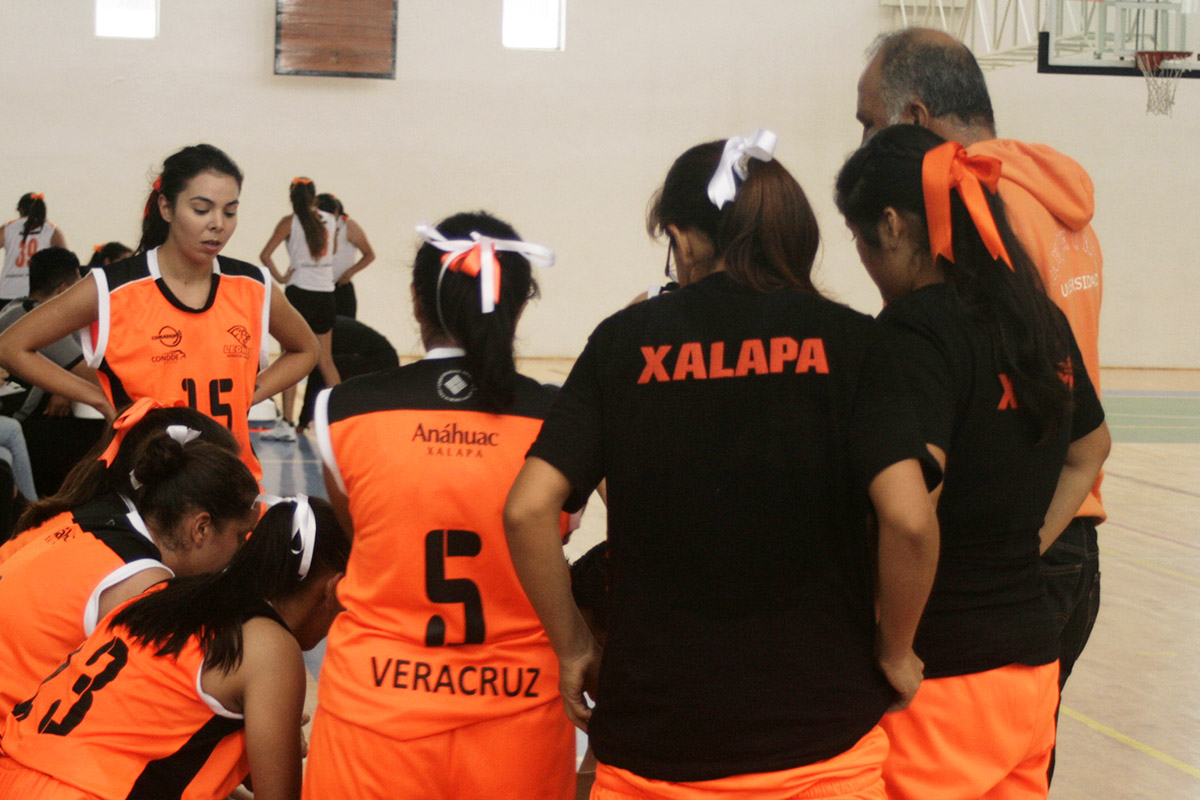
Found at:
(133, 481)
(722, 188)
(182, 433)
(476, 257)
(304, 528)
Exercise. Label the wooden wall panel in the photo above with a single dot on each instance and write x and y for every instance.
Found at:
(347, 38)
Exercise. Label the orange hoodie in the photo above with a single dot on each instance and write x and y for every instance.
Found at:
(1049, 202)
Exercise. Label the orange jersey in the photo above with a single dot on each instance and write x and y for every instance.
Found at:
(116, 721)
(50, 587)
(145, 343)
(437, 632)
(1049, 203)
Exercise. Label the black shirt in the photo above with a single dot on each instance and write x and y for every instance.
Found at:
(987, 609)
(738, 432)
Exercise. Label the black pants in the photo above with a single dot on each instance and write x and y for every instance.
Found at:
(1071, 570)
(55, 445)
(346, 299)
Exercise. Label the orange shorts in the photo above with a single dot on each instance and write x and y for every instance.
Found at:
(19, 781)
(985, 736)
(853, 775)
(530, 755)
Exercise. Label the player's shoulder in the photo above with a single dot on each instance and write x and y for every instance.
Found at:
(126, 271)
(234, 268)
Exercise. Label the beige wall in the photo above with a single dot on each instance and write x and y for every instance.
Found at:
(568, 146)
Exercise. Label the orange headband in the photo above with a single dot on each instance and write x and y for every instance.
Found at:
(132, 416)
(947, 167)
(300, 180)
(37, 196)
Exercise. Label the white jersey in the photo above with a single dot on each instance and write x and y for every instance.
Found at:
(14, 280)
(309, 272)
(344, 256)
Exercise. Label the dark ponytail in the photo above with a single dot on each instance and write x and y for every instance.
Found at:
(32, 206)
(90, 477)
(767, 236)
(455, 306)
(1030, 338)
(171, 480)
(214, 606)
(304, 196)
(177, 170)
(331, 204)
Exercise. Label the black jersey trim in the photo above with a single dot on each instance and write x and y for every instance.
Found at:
(240, 269)
(167, 778)
(126, 271)
(106, 519)
(120, 397)
(414, 387)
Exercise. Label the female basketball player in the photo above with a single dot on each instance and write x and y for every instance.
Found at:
(350, 239)
(439, 681)
(23, 237)
(173, 694)
(311, 236)
(175, 500)
(1003, 399)
(177, 321)
(745, 426)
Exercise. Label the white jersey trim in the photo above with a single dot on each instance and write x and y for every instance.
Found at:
(213, 703)
(324, 440)
(93, 352)
(264, 342)
(91, 612)
(444, 352)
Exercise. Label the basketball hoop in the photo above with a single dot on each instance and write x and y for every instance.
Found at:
(1163, 69)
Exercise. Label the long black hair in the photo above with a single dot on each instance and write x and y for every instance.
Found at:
(90, 477)
(1030, 338)
(330, 203)
(33, 208)
(455, 306)
(177, 170)
(768, 235)
(303, 195)
(214, 606)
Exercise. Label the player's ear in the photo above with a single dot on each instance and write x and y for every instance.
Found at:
(330, 593)
(918, 113)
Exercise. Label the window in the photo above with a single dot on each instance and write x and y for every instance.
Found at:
(533, 24)
(127, 19)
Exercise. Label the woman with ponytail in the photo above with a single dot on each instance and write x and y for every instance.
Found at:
(462, 700)
(185, 686)
(23, 237)
(178, 321)
(311, 236)
(167, 496)
(1007, 409)
(745, 427)
(351, 241)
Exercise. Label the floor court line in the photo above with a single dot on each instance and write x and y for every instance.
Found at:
(1108, 551)
(1145, 482)
(1131, 742)
(1153, 535)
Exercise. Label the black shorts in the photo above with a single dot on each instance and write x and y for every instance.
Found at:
(317, 308)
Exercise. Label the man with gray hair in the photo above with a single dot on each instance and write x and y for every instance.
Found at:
(928, 78)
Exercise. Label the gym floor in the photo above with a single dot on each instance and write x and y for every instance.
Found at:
(1129, 721)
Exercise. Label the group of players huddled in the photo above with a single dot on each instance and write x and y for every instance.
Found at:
(823, 573)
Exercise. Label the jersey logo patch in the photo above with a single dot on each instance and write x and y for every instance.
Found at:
(168, 336)
(241, 349)
(169, 356)
(455, 386)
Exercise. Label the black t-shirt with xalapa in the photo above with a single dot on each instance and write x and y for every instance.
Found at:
(987, 609)
(738, 432)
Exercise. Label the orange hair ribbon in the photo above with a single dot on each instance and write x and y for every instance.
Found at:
(301, 180)
(130, 417)
(155, 189)
(471, 262)
(37, 196)
(948, 167)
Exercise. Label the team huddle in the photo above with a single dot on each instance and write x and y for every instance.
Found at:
(847, 557)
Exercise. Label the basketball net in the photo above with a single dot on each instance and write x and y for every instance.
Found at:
(1163, 69)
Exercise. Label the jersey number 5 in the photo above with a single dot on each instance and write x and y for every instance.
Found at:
(440, 545)
(216, 407)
